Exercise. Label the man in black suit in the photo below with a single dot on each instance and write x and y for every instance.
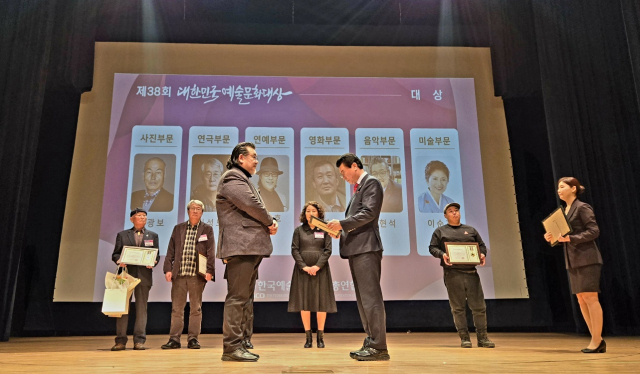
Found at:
(380, 169)
(137, 236)
(154, 198)
(360, 243)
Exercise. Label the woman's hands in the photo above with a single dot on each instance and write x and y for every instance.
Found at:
(562, 239)
(311, 270)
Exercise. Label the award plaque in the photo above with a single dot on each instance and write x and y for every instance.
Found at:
(556, 223)
(463, 253)
(202, 264)
(138, 256)
(322, 225)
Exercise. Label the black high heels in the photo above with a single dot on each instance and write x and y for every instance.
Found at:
(602, 348)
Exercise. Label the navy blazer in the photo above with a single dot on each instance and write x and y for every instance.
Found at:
(361, 233)
(127, 238)
(582, 249)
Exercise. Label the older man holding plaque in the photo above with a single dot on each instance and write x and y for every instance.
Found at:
(460, 249)
(136, 236)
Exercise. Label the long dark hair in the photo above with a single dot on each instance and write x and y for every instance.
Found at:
(573, 182)
(240, 149)
(315, 204)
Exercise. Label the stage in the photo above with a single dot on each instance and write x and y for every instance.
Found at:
(283, 353)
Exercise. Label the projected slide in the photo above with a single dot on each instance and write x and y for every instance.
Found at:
(171, 135)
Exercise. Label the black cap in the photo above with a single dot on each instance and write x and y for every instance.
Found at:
(450, 205)
(136, 211)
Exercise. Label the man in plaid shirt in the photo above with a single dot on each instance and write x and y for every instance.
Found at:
(191, 247)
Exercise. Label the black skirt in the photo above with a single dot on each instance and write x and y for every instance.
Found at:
(585, 278)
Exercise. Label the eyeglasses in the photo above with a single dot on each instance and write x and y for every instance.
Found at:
(379, 174)
(269, 175)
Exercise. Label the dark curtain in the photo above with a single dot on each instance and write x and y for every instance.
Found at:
(24, 55)
(593, 120)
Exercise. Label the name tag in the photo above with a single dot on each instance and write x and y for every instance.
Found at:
(203, 238)
(319, 234)
(148, 243)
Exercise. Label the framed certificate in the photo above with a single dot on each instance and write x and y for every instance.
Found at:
(202, 264)
(322, 225)
(138, 256)
(463, 253)
(556, 223)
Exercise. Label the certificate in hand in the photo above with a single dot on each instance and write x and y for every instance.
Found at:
(322, 225)
(138, 256)
(463, 253)
(556, 223)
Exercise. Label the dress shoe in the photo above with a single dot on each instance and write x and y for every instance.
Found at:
(193, 344)
(483, 341)
(247, 344)
(320, 338)
(172, 344)
(239, 354)
(465, 340)
(372, 354)
(118, 347)
(251, 353)
(602, 348)
(309, 342)
(366, 343)
(139, 347)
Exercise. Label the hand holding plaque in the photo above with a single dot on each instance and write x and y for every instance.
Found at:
(138, 256)
(463, 253)
(557, 225)
(322, 225)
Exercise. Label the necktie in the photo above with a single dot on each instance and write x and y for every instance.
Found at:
(355, 187)
(138, 238)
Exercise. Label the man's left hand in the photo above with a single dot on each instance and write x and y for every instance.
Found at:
(208, 277)
(273, 229)
(334, 224)
(483, 259)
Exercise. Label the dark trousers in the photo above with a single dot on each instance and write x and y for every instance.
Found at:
(181, 286)
(140, 327)
(247, 319)
(463, 286)
(242, 272)
(366, 270)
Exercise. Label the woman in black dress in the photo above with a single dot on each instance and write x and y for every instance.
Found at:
(583, 259)
(311, 284)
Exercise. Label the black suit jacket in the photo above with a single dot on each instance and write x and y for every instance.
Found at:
(582, 249)
(127, 238)
(361, 232)
(176, 246)
(162, 203)
(392, 198)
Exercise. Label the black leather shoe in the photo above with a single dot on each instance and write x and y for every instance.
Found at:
(172, 344)
(193, 344)
(372, 354)
(239, 354)
(118, 347)
(365, 344)
(602, 348)
(309, 342)
(139, 347)
(247, 344)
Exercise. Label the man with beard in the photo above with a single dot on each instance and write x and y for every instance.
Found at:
(269, 172)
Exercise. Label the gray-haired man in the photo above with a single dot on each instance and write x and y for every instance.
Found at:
(188, 241)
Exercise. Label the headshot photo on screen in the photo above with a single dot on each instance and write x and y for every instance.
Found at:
(206, 171)
(436, 174)
(153, 182)
(275, 195)
(387, 170)
(324, 184)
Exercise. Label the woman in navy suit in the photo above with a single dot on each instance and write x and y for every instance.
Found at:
(583, 259)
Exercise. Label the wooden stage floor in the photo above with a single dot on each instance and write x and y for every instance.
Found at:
(283, 353)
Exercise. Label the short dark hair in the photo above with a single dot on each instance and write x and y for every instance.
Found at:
(348, 159)
(315, 204)
(240, 149)
(573, 182)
